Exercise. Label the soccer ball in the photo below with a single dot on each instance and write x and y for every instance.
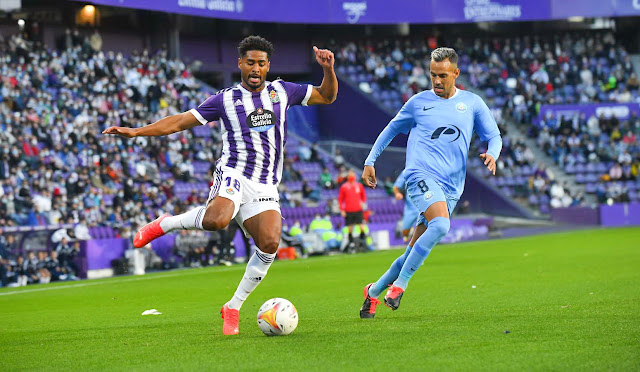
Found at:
(277, 317)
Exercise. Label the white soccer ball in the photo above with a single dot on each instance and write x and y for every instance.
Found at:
(277, 317)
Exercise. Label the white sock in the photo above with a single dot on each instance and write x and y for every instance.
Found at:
(257, 268)
(187, 221)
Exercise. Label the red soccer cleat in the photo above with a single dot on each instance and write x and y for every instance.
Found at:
(393, 297)
(368, 309)
(231, 320)
(149, 232)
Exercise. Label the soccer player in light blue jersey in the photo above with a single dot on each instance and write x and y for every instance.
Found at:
(440, 123)
(410, 213)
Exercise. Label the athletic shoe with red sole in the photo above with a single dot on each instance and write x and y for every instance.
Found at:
(149, 232)
(393, 297)
(231, 319)
(368, 309)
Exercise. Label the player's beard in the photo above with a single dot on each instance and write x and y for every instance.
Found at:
(254, 86)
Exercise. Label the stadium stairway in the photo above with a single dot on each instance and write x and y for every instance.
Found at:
(559, 174)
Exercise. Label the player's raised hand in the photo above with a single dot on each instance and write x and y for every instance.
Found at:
(490, 162)
(369, 176)
(121, 131)
(324, 57)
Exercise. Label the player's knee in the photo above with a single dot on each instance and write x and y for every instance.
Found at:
(214, 222)
(439, 227)
(269, 246)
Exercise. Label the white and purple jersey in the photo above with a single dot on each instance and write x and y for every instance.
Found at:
(254, 126)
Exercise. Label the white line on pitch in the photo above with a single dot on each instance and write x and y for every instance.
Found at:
(116, 280)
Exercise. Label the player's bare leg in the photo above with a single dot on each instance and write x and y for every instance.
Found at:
(265, 228)
(437, 216)
(216, 215)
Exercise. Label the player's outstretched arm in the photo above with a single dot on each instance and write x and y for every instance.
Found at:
(326, 93)
(162, 127)
(369, 176)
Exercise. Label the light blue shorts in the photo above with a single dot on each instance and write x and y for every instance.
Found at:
(425, 192)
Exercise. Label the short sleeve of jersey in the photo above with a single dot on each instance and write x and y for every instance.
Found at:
(298, 94)
(484, 122)
(209, 110)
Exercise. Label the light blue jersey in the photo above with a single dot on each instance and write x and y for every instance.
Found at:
(440, 132)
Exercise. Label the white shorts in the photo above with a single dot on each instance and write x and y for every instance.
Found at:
(249, 198)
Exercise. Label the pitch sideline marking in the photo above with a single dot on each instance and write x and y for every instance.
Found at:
(115, 280)
(152, 276)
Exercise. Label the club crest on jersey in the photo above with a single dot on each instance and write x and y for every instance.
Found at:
(274, 96)
(461, 107)
(428, 195)
(230, 191)
(261, 120)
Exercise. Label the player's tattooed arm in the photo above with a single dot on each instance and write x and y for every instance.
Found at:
(162, 127)
(327, 91)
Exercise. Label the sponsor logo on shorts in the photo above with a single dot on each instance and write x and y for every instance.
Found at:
(263, 199)
(230, 191)
(428, 195)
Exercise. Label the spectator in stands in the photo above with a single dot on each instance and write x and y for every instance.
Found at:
(41, 266)
(326, 180)
(31, 268)
(615, 173)
(289, 174)
(304, 151)
(19, 268)
(309, 193)
(53, 266)
(4, 246)
(81, 230)
(333, 207)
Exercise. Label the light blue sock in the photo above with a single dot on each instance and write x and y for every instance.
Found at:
(392, 274)
(437, 228)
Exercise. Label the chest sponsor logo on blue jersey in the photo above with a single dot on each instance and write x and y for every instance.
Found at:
(261, 120)
(448, 133)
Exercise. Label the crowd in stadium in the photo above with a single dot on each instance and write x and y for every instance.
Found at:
(55, 167)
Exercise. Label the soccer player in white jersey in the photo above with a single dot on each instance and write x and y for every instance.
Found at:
(253, 118)
(441, 123)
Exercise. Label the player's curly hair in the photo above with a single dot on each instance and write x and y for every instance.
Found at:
(442, 53)
(255, 42)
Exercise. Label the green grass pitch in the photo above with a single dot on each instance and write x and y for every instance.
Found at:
(569, 301)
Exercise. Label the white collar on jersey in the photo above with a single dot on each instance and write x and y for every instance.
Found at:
(454, 94)
(266, 84)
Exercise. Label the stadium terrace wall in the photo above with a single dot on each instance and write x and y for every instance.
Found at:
(380, 12)
(622, 111)
(354, 117)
